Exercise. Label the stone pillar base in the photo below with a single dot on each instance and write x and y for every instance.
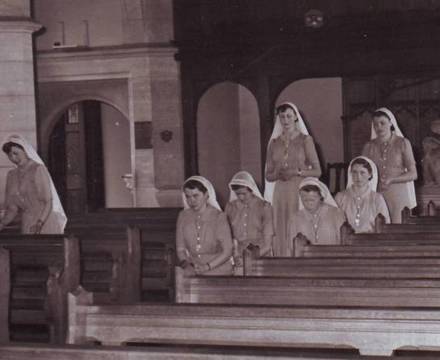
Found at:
(169, 198)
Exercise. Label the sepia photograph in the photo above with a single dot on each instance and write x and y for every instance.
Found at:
(220, 179)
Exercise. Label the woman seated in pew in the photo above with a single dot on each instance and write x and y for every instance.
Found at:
(394, 158)
(203, 236)
(319, 219)
(360, 201)
(249, 215)
(30, 191)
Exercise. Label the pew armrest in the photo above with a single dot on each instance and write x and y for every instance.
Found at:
(299, 243)
(250, 254)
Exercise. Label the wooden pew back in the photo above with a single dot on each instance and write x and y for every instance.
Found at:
(41, 300)
(377, 331)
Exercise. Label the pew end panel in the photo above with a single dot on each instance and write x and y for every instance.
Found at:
(76, 318)
(5, 293)
(250, 255)
(300, 242)
(346, 233)
(62, 280)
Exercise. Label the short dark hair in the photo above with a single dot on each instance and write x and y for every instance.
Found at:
(312, 188)
(383, 113)
(194, 184)
(283, 107)
(9, 145)
(235, 187)
(364, 163)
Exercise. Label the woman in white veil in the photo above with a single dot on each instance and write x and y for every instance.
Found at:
(30, 191)
(319, 219)
(203, 236)
(394, 158)
(360, 201)
(249, 215)
(291, 156)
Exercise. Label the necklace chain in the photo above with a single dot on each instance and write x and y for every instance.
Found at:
(315, 223)
(198, 224)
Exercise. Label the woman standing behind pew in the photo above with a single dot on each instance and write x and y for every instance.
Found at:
(30, 191)
(291, 156)
(360, 201)
(250, 216)
(319, 219)
(393, 156)
(203, 236)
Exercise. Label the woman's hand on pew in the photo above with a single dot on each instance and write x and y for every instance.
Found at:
(36, 228)
(201, 268)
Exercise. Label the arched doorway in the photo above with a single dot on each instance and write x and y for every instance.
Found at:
(228, 135)
(89, 152)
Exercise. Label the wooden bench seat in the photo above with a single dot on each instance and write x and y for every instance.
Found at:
(371, 245)
(175, 352)
(342, 291)
(412, 224)
(110, 261)
(291, 268)
(43, 268)
(370, 250)
(374, 331)
(99, 233)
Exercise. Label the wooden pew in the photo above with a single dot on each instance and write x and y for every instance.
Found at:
(422, 225)
(195, 352)
(361, 267)
(394, 237)
(158, 261)
(432, 218)
(377, 331)
(103, 235)
(43, 268)
(111, 260)
(337, 291)
(372, 245)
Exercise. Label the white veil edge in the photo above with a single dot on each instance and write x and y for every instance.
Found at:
(277, 131)
(325, 192)
(57, 208)
(212, 198)
(243, 178)
(374, 176)
(409, 184)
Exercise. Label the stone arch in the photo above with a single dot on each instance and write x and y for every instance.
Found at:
(320, 102)
(48, 122)
(228, 135)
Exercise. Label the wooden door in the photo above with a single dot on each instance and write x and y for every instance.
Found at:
(76, 158)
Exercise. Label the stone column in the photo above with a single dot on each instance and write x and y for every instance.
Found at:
(17, 91)
(164, 109)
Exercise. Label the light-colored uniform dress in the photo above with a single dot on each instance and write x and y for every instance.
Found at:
(299, 154)
(251, 223)
(212, 229)
(321, 228)
(392, 159)
(361, 211)
(30, 191)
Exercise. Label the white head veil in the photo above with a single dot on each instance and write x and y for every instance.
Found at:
(393, 121)
(410, 184)
(277, 131)
(374, 178)
(212, 198)
(57, 208)
(243, 178)
(328, 198)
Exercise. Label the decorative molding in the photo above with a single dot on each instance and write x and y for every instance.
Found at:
(18, 26)
(108, 52)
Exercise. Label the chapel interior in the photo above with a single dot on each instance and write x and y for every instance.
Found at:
(125, 99)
